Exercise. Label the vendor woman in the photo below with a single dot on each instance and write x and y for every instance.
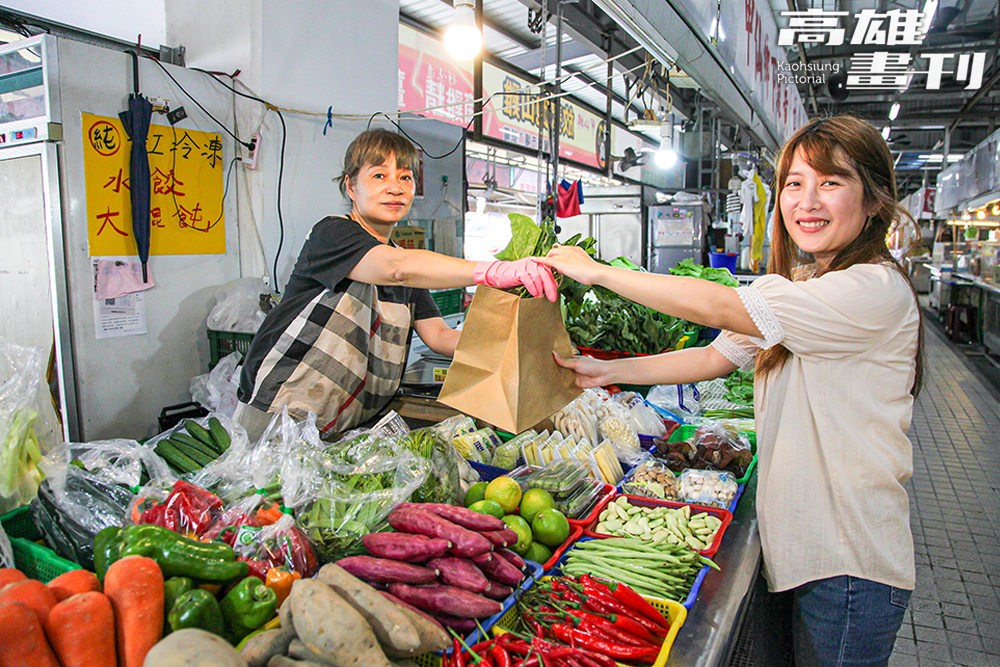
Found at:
(336, 343)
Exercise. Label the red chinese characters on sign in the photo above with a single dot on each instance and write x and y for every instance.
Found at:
(107, 220)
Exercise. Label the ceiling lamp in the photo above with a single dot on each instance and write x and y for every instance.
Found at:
(885, 132)
(666, 156)
(981, 214)
(996, 209)
(462, 39)
(894, 111)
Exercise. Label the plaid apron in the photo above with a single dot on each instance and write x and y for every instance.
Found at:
(341, 358)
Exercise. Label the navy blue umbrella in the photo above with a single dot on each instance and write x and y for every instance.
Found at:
(136, 120)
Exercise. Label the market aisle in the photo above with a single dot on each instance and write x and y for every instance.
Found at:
(954, 615)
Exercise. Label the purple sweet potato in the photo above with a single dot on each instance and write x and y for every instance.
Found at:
(499, 569)
(441, 599)
(498, 591)
(406, 547)
(512, 558)
(466, 543)
(510, 536)
(464, 517)
(496, 537)
(456, 623)
(460, 572)
(383, 570)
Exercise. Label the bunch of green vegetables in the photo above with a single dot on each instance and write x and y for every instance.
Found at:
(739, 386)
(687, 267)
(443, 484)
(19, 459)
(607, 321)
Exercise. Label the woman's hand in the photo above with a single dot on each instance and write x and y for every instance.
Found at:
(589, 372)
(573, 261)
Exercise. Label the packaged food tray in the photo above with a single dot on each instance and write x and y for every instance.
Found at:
(723, 515)
(685, 431)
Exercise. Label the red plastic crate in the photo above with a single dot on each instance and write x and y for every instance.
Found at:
(724, 515)
(574, 534)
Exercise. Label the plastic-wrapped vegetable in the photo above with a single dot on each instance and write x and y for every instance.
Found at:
(443, 483)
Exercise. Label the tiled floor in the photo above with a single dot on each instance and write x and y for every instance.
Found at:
(954, 615)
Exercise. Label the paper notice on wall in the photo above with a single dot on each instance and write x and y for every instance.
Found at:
(121, 316)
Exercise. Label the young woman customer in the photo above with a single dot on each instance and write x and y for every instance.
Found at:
(336, 343)
(833, 333)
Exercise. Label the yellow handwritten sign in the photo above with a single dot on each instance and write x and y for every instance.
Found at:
(186, 207)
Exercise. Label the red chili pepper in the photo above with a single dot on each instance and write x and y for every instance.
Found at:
(632, 600)
(609, 628)
(500, 657)
(634, 627)
(484, 662)
(588, 661)
(610, 606)
(617, 651)
(530, 662)
(456, 653)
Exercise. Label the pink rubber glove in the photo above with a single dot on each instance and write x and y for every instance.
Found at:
(536, 277)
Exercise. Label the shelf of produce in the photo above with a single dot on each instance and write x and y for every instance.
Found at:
(713, 624)
(723, 515)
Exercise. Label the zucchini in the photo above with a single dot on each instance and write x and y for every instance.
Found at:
(199, 432)
(219, 434)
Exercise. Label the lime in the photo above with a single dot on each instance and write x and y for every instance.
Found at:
(490, 507)
(550, 528)
(523, 530)
(534, 501)
(505, 491)
(475, 493)
(538, 552)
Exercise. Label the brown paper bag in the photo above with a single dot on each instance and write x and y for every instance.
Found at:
(503, 371)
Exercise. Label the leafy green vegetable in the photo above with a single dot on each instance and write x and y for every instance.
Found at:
(524, 241)
(687, 267)
(443, 484)
(740, 386)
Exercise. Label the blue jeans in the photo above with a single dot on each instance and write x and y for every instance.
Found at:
(845, 621)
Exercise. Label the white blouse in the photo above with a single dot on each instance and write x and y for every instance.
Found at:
(831, 424)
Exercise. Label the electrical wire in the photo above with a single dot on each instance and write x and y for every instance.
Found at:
(198, 104)
(281, 163)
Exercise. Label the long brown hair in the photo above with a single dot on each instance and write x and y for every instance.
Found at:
(822, 144)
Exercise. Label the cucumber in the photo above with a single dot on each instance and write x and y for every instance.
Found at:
(180, 436)
(173, 456)
(195, 454)
(199, 432)
(219, 434)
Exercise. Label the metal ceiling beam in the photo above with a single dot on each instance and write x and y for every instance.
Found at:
(670, 38)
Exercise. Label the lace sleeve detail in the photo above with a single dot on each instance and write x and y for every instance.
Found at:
(762, 316)
(733, 352)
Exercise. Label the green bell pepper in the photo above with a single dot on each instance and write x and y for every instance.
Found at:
(248, 606)
(180, 556)
(196, 608)
(173, 588)
(106, 549)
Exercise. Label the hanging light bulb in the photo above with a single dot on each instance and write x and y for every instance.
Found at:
(462, 39)
(894, 111)
(981, 214)
(885, 132)
(666, 157)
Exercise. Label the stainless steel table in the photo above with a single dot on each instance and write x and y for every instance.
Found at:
(713, 622)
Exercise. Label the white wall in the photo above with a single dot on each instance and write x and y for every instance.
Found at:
(306, 56)
(114, 18)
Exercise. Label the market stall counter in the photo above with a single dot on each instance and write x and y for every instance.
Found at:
(713, 623)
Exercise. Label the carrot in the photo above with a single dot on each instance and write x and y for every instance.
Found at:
(9, 575)
(32, 593)
(81, 631)
(73, 582)
(135, 586)
(22, 641)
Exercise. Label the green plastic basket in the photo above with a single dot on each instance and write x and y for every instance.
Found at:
(223, 343)
(18, 523)
(38, 562)
(449, 301)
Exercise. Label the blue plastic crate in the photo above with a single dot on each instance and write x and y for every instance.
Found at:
(688, 602)
(535, 574)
